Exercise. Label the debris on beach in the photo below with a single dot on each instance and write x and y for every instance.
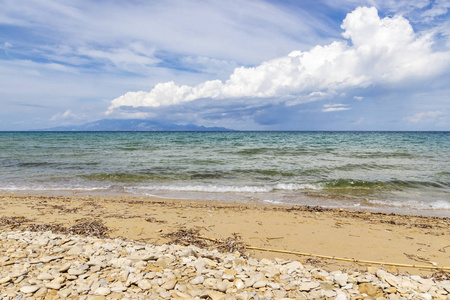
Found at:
(86, 227)
(193, 237)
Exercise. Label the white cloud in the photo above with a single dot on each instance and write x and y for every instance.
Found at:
(120, 57)
(429, 116)
(64, 116)
(439, 7)
(335, 107)
(359, 98)
(383, 51)
(246, 31)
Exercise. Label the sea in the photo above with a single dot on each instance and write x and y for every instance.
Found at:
(392, 172)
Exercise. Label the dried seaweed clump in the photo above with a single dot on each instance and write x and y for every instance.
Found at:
(441, 275)
(89, 227)
(231, 244)
(153, 220)
(55, 228)
(13, 222)
(192, 237)
(82, 227)
(187, 237)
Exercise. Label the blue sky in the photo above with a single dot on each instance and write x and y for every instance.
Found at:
(244, 64)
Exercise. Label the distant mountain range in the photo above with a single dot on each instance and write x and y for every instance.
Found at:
(133, 125)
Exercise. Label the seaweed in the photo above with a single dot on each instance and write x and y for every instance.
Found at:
(192, 237)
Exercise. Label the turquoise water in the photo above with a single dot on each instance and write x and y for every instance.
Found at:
(386, 171)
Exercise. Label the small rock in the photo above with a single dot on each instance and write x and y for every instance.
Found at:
(239, 284)
(367, 288)
(341, 279)
(209, 282)
(197, 280)
(307, 286)
(53, 285)
(41, 292)
(200, 265)
(260, 284)
(29, 289)
(144, 284)
(221, 286)
(45, 276)
(215, 295)
(64, 268)
(75, 251)
(423, 296)
(46, 259)
(329, 294)
(169, 285)
(102, 291)
(389, 278)
(5, 279)
(76, 272)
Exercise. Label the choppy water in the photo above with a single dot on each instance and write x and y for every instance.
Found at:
(387, 171)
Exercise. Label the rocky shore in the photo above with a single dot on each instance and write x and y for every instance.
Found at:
(43, 265)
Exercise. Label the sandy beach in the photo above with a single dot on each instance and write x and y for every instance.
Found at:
(403, 239)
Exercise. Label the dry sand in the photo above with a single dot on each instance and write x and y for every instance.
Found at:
(381, 237)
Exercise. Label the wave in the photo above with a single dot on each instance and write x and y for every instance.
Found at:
(382, 185)
(440, 204)
(50, 188)
(209, 188)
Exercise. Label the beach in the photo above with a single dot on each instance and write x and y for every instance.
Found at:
(91, 247)
(404, 239)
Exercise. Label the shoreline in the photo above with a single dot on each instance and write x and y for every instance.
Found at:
(361, 235)
(307, 199)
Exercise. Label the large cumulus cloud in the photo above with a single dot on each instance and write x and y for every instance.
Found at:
(377, 51)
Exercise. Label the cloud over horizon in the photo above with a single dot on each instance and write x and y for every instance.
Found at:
(243, 64)
(377, 52)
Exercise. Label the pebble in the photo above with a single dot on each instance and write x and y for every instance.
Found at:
(29, 289)
(197, 280)
(93, 268)
(53, 285)
(102, 291)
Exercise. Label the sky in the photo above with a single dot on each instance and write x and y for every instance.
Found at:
(239, 64)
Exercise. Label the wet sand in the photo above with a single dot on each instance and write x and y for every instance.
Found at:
(404, 239)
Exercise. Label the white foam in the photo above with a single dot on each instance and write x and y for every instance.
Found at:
(47, 188)
(273, 201)
(296, 186)
(211, 188)
(440, 204)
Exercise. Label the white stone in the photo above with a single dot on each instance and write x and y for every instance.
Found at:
(209, 282)
(341, 279)
(76, 272)
(75, 251)
(307, 286)
(239, 284)
(423, 296)
(389, 278)
(144, 284)
(53, 285)
(102, 291)
(200, 265)
(341, 296)
(221, 286)
(5, 279)
(29, 289)
(329, 294)
(64, 267)
(197, 280)
(169, 285)
(45, 276)
(260, 284)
